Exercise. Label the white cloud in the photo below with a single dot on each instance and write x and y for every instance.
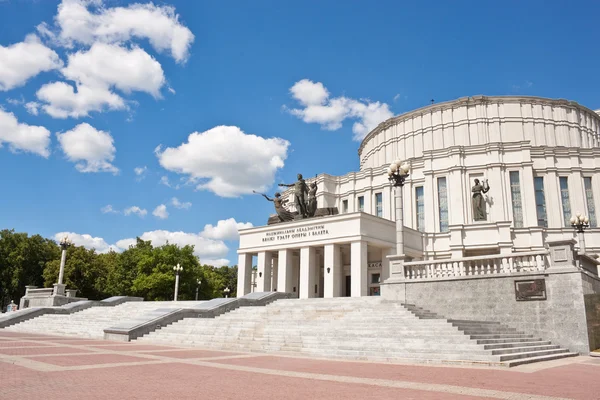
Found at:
(203, 247)
(15, 102)
(177, 204)
(171, 90)
(95, 72)
(108, 209)
(32, 107)
(328, 112)
(23, 137)
(217, 263)
(22, 61)
(221, 170)
(161, 212)
(106, 65)
(226, 229)
(309, 93)
(159, 24)
(140, 170)
(87, 241)
(63, 101)
(396, 97)
(91, 149)
(141, 212)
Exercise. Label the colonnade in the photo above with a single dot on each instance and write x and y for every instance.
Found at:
(329, 270)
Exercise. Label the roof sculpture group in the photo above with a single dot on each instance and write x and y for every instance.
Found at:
(305, 199)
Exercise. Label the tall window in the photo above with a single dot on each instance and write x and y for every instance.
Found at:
(515, 194)
(344, 206)
(379, 204)
(589, 199)
(564, 198)
(420, 200)
(540, 201)
(361, 203)
(443, 204)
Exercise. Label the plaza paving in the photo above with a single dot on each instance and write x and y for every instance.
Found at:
(35, 366)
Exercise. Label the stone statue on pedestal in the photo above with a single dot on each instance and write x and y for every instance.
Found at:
(300, 189)
(283, 214)
(311, 205)
(478, 202)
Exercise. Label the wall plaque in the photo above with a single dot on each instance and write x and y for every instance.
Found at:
(533, 289)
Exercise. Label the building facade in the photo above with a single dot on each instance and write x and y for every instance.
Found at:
(539, 156)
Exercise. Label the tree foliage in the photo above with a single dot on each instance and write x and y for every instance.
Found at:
(142, 270)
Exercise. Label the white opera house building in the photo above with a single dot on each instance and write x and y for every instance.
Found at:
(540, 158)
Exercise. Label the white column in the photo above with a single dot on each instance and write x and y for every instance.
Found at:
(358, 269)
(399, 224)
(307, 272)
(332, 270)
(61, 273)
(176, 286)
(284, 271)
(263, 282)
(244, 274)
(385, 263)
(274, 271)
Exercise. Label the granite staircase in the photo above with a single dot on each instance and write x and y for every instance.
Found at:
(359, 328)
(91, 322)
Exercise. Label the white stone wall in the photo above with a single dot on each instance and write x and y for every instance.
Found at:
(479, 137)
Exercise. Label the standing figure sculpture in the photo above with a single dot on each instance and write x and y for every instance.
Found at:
(283, 214)
(311, 205)
(479, 212)
(300, 189)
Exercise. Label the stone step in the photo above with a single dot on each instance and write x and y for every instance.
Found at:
(528, 354)
(500, 336)
(466, 321)
(525, 349)
(530, 360)
(508, 340)
(507, 345)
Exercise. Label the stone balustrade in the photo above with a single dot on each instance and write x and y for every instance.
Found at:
(43, 292)
(511, 263)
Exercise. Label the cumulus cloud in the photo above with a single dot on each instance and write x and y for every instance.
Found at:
(32, 107)
(108, 209)
(63, 101)
(220, 262)
(141, 212)
(87, 241)
(107, 65)
(95, 73)
(226, 229)
(318, 107)
(91, 149)
(87, 22)
(203, 247)
(161, 212)
(177, 204)
(22, 137)
(207, 158)
(140, 170)
(21, 61)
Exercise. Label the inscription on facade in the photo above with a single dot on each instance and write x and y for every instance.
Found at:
(300, 233)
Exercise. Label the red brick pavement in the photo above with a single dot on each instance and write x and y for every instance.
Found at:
(114, 372)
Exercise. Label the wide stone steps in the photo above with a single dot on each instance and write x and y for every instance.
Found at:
(358, 328)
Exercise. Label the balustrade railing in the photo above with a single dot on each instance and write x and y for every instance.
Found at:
(472, 266)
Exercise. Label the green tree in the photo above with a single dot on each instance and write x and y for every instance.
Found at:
(22, 261)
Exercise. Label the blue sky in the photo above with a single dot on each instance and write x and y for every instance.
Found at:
(272, 89)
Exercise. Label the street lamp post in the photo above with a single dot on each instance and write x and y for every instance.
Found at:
(59, 287)
(580, 223)
(397, 173)
(227, 290)
(199, 281)
(178, 268)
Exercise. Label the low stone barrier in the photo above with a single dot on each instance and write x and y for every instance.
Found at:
(161, 317)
